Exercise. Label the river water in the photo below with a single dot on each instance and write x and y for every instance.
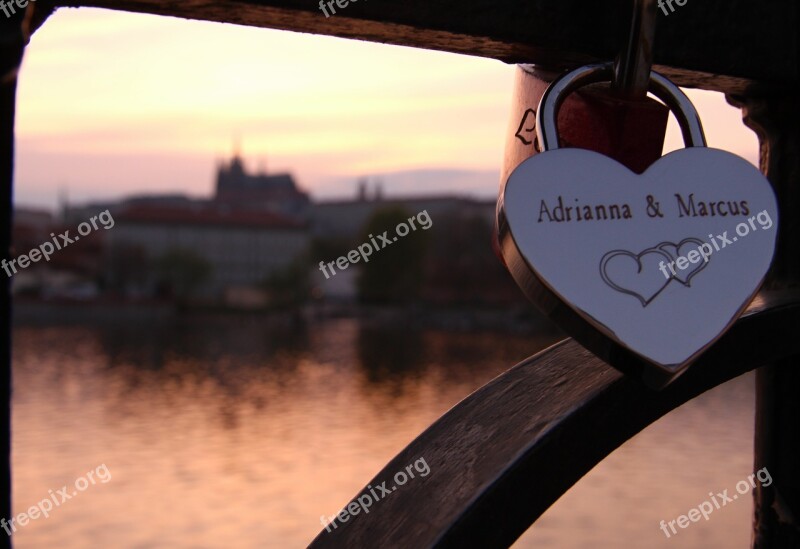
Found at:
(236, 432)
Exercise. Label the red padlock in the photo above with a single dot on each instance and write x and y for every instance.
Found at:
(597, 118)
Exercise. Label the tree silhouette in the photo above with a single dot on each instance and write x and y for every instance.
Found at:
(394, 273)
(181, 272)
(461, 268)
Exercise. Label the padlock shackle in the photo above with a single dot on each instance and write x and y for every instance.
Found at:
(660, 86)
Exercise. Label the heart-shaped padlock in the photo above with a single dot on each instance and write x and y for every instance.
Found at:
(646, 271)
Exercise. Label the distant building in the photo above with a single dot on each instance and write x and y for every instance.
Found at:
(346, 219)
(33, 219)
(70, 272)
(253, 227)
(235, 190)
(241, 248)
(30, 228)
(74, 214)
(277, 193)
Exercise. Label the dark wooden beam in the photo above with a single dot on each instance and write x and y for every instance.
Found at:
(7, 95)
(775, 116)
(13, 37)
(714, 44)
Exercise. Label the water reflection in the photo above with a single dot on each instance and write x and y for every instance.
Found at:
(239, 431)
(386, 356)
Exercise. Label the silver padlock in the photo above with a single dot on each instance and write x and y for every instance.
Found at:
(647, 271)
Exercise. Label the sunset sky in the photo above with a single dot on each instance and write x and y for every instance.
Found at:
(112, 103)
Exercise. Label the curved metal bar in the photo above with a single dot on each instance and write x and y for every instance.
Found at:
(507, 452)
(660, 86)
